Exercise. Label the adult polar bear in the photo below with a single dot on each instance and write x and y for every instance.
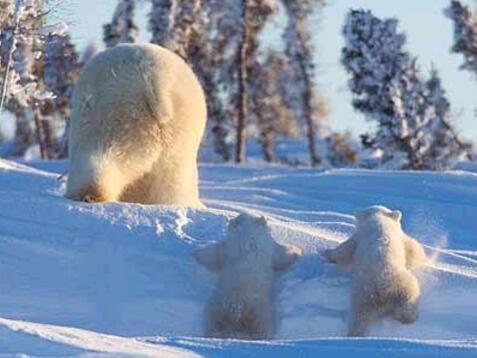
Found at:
(380, 255)
(138, 117)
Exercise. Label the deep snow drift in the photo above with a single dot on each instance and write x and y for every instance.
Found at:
(77, 278)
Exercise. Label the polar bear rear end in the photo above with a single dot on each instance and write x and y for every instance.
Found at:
(138, 117)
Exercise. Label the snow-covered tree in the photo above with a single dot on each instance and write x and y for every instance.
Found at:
(269, 84)
(24, 82)
(61, 68)
(177, 24)
(187, 27)
(303, 100)
(7, 19)
(122, 28)
(465, 33)
(242, 94)
(161, 19)
(446, 145)
(411, 114)
(254, 14)
(9, 23)
(60, 71)
(221, 87)
(40, 77)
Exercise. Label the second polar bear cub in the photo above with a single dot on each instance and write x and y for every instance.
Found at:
(380, 255)
(138, 114)
(246, 262)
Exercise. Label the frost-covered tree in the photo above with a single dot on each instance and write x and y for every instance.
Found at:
(24, 83)
(161, 19)
(303, 100)
(7, 29)
(242, 100)
(254, 13)
(9, 24)
(187, 28)
(222, 40)
(269, 84)
(446, 145)
(36, 89)
(60, 70)
(411, 114)
(465, 33)
(177, 24)
(122, 28)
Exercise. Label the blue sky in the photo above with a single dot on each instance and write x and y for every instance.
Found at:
(429, 36)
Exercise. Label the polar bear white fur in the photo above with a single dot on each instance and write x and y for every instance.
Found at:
(380, 255)
(138, 116)
(246, 262)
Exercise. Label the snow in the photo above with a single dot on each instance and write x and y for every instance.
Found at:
(119, 279)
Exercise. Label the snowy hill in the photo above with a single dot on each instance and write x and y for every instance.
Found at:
(119, 279)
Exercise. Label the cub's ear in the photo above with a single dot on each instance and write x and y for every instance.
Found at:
(396, 215)
(284, 256)
(211, 256)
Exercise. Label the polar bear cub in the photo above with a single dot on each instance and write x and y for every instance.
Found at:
(138, 115)
(380, 255)
(246, 262)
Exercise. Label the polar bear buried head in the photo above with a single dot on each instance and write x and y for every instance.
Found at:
(380, 257)
(138, 115)
(246, 262)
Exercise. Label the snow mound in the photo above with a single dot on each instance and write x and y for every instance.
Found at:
(77, 278)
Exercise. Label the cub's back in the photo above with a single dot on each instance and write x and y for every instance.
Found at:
(380, 249)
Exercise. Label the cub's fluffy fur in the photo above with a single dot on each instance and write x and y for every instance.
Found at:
(246, 263)
(380, 255)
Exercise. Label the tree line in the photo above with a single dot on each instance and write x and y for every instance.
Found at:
(257, 92)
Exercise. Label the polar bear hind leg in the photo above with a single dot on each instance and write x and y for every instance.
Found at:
(406, 308)
(362, 315)
(174, 181)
